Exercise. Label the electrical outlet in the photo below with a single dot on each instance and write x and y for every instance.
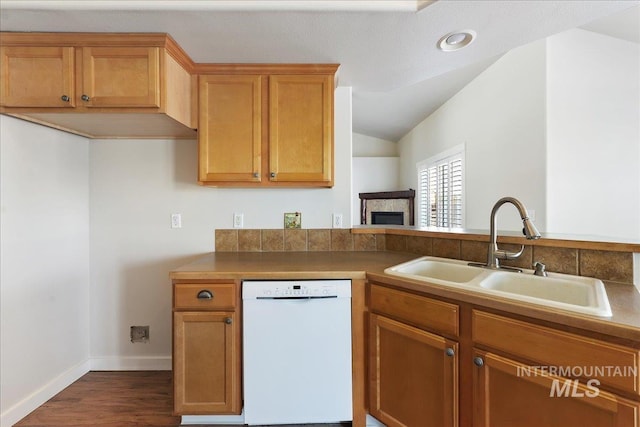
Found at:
(139, 334)
(532, 214)
(337, 221)
(176, 220)
(238, 220)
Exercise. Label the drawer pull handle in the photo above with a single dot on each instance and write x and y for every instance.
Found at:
(205, 294)
(478, 361)
(228, 320)
(449, 352)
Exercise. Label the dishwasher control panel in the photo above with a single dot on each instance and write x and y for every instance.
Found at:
(290, 289)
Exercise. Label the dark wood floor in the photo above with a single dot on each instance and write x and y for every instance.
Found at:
(112, 399)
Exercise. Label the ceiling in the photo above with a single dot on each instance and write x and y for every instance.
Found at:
(387, 49)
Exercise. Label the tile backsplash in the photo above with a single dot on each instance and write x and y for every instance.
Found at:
(605, 265)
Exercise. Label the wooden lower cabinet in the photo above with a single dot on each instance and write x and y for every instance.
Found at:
(506, 370)
(508, 393)
(413, 375)
(206, 349)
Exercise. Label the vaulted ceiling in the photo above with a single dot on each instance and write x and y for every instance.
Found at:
(387, 49)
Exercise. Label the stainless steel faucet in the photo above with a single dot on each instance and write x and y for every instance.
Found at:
(531, 233)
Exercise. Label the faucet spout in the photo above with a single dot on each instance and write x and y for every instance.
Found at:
(530, 231)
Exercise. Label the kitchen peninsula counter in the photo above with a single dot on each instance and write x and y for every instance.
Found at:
(237, 266)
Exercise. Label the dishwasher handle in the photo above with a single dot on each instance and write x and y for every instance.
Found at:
(298, 297)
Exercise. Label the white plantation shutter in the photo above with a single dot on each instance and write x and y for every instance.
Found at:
(441, 190)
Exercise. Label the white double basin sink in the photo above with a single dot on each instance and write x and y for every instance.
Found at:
(578, 294)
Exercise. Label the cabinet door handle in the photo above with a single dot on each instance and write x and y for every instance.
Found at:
(256, 175)
(478, 361)
(228, 320)
(205, 294)
(65, 98)
(272, 174)
(449, 352)
(85, 97)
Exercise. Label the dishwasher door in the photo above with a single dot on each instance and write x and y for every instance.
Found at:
(297, 355)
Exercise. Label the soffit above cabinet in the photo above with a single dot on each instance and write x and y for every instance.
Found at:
(114, 125)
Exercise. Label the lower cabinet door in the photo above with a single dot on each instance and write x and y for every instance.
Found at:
(206, 363)
(507, 393)
(413, 376)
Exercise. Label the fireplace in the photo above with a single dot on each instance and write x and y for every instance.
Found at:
(396, 218)
(387, 207)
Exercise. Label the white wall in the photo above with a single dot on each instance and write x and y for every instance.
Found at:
(500, 117)
(135, 186)
(593, 131)
(376, 167)
(369, 146)
(44, 281)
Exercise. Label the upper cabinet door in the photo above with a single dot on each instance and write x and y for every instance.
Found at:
(37, 76)
(301, 128)
(120, 77)
(230, 128)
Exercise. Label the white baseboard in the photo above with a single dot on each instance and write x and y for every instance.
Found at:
(212, 419)
(44, 393)
(116, 363)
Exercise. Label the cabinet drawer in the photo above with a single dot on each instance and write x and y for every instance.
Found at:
(570, 354)
(431, 314)
(218, 296)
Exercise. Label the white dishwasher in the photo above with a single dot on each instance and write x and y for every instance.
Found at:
(297, 351)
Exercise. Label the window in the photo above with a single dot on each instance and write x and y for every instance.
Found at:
(441, 189)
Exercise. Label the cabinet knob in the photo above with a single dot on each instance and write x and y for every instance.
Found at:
(228, 320)
(205, 294)
(65, 98)
(478, 361)
(256, 175)
(449, 352)
(272, 174)
(85, 97)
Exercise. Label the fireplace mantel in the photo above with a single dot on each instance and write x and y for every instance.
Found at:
(409, 195)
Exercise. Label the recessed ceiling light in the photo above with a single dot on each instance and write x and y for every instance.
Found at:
(456, 40)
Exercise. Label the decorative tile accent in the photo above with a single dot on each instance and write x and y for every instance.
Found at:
(249, 241)
(364, 242)
(272, 240)
(319, 240)
(558, 260)
(295, 239)
(523, 261)
(473, 251)
(396, 243)
(341, 240)
(419, 245)
(226, 240)
(446, 248)
(605, 265)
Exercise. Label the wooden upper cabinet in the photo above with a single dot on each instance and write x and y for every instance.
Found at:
(301, 128)
(37, 76)
(133, 85)
(266, 125)
(121, 77)
(230, 128)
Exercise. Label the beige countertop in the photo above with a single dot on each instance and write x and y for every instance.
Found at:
(624, 299)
